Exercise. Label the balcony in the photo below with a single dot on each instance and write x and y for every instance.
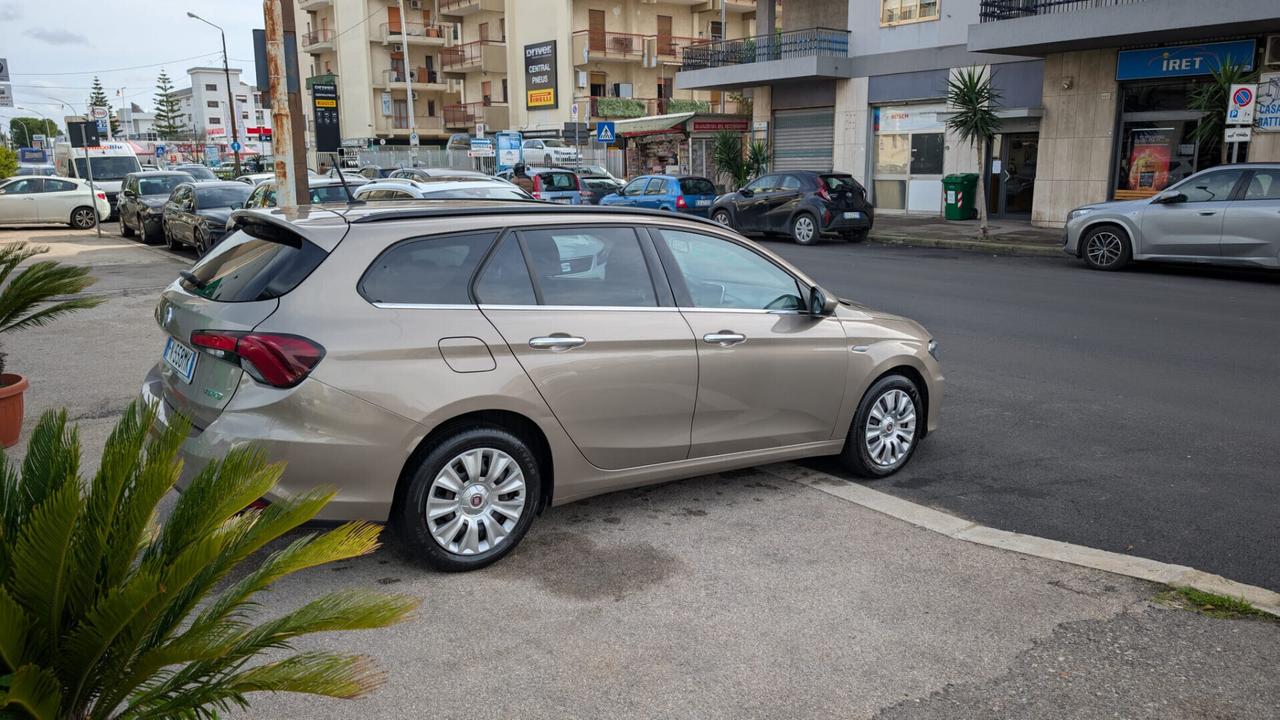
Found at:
(462, 8)
(1038, 27)
(461, 116)
(317, 41)
(740, 6)
(671, 48)
(475, 56)
(812, 53)
(419, 78)
(601, 46)
(616, 108)
(314, 5)
(424, 125)
(412, 33)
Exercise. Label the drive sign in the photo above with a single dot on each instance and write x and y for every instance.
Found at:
(1240, 104)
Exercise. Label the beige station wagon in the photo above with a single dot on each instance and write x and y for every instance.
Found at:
(454, 368)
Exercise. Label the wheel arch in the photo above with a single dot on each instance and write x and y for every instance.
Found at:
(513, 422)
(1129, 234)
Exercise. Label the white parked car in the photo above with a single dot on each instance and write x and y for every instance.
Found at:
(256, 179)
(549, 152)
(443, 189)
(36, 199)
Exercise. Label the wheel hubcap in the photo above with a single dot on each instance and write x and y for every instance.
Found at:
(83, 218)
(475, 501)
(1104, 248)
(804, 229)
(722, 218)
(891, 428)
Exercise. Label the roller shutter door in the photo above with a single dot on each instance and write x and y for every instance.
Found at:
(803, 139)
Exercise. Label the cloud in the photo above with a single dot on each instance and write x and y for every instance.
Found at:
(57, 37)
(10, 11)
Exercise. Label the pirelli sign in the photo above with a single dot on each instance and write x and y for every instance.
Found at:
(540, 76)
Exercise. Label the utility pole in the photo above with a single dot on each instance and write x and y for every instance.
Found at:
(408, 83)
(287, 141)
(231, 98)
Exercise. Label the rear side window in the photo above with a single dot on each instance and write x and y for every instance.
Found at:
(51, 185)
(257, 263)
(697, 186)
(602, 267)
(559, 181)
(428, 271)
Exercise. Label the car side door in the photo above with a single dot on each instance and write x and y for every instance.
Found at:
(633, 192)
(126, 203)
(653, 193)
(770, 374)
(18, 200)
(59, 198)
(780, 203)
(1193, 227)
(583, 309)
(173, 213)
(1251, 229)
(750, 210)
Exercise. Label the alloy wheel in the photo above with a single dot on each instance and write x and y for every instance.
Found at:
(891, 428)
(722, 217)
(83, 218)
(1104, 248)
(803, 229)
(475, 501)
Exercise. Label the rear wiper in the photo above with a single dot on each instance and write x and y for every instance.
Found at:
(193, 279)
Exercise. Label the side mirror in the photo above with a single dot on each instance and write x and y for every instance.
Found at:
(821, 304)
(746, 192)
(1169, 197)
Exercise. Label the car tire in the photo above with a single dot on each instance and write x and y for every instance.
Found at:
(804, 229)
(856, 236)
(83, 218)
(722, 217)
(125, 230)
(1106, 247)
(169, 242)
(146, 237)
(202, 242)
(467, 508)
(886, 428)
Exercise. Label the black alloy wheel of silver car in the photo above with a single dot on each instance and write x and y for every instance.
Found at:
(84, 218)
(470, 500)
(886, 429)
(804, 229)
(1106, 247)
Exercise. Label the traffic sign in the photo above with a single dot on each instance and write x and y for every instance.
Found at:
(1238, 134)
(6, 95)
(606, 132)
(481, 128)
(413, 139)
(1240, 104)
(235, 146)
(159, 150)
(573, 112)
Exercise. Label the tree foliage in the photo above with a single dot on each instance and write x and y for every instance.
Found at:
(8, 165)
(1211, 98)
(98, 98)
(727, 156)
(23, 129)
(106, 615)
(972, 100)
(169, 122)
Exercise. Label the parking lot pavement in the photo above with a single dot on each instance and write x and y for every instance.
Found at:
(738, 595)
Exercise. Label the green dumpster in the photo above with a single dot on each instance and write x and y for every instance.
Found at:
(960, 193)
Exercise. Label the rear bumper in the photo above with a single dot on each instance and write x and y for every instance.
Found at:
(836, 222)
(324, 436)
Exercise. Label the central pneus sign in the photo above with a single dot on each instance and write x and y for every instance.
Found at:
(540, 75)
(324, 99)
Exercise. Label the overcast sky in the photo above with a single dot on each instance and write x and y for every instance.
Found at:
(55, 47)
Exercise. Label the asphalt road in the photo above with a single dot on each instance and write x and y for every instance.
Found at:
(1135, 412)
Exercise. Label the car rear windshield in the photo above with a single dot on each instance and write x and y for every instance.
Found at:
(330, 194)
(697, 186)
(161, 185)
(841, 182)
(226, 196)
(261, 262)
(559, 181)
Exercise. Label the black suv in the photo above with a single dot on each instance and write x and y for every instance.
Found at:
(803, 204)
(141, 202)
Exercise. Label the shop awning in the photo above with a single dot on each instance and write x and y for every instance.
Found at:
(651, 124)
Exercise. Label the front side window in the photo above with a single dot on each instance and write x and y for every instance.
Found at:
(763, 184)
(429, 271)
(724, 275)
(23, 187)
(157, 185)
(559, 181)
(1211, 187)
(635, 187)
(223, 197)
(602, 267)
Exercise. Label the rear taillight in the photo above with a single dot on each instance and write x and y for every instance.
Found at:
(680, 203)
(278, 360)
(101, 195)
(587, 195)
(822, 193)
(537, 187)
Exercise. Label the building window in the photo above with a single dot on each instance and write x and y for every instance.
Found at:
(241, 98)
(215, 121)
(211, 87)
(895, 12)
(211, 103)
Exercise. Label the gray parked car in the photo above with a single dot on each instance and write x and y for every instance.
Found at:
(1225, 215)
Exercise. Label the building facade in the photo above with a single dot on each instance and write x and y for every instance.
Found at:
(204, 111)
(860, 86)
(135, 123)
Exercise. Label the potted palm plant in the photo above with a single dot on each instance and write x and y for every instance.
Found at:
(27, 300)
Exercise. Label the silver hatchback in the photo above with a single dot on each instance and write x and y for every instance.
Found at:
(1225, 215)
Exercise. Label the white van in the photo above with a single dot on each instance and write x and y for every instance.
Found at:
(111, 162)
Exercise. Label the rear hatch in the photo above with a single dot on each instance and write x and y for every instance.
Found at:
(557, 186)
(232, 289)
(699, 194)
(842, 191)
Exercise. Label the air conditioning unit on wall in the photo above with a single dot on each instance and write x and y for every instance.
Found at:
(1271, 56)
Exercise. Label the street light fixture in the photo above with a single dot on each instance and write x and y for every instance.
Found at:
(231, 101)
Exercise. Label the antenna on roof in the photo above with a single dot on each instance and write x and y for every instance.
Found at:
(337, 167)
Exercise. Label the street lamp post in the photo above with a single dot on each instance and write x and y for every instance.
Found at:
(231, 100)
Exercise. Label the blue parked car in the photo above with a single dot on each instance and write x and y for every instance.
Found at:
(673, 193)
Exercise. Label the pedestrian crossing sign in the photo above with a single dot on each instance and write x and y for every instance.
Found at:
(606, 133)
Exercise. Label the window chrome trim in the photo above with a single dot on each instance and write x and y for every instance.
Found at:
(422, 306)
(583, 308)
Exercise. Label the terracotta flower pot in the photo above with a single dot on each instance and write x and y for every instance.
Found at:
(12, 388)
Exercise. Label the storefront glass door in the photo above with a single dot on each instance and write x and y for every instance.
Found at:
(907, 174)
(1013, 174)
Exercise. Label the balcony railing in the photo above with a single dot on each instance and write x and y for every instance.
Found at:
(418, 75)
(466, 54)
(673, 47)
(811, 42)
(624, 46)
(412, 30)
(995, 10)
(316, 37)
(421, 123)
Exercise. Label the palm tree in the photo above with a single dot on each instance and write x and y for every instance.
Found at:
(726, 155)
(106, 615)
(972, 97)
(38, 283)
(1211, 99)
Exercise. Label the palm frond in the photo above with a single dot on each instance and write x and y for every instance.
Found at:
(972, 98)
(14, 254)
(53, 459)
(14, 625)
(39, 283)
(33, 690)
(42, 562)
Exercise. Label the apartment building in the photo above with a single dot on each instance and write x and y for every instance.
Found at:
(204, 110)
(479, 61)
(135, 123)
(1095, 94)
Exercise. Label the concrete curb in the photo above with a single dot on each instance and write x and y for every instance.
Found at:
(999, 248)
(961, 529)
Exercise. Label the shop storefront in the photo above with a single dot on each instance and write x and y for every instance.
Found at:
(910, 141)
(677, 143)
(1156, 141)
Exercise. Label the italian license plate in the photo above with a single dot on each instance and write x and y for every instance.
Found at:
(853, 216)
(561, 201)
(704, 203)
(181, 358)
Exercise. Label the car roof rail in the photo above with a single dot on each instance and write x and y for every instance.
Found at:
(449, 208)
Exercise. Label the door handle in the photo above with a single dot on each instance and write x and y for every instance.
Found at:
(724, 338)
(1208, 212)
(556, 341)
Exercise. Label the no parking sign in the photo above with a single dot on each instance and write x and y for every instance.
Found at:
(1240, 104)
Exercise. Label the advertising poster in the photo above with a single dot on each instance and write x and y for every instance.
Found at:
(1149, 160)
(540, 75)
